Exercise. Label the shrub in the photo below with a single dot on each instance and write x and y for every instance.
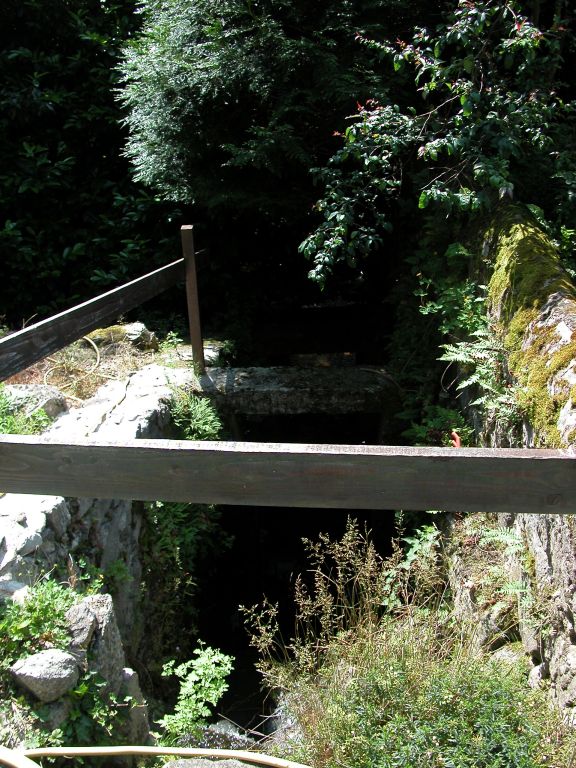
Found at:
(404, 684)
(202, 684)
(38, 622)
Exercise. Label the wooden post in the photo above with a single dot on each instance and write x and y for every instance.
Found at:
(192, 299)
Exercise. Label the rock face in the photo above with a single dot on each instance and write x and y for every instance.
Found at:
(37, 532)
(48, 675)
(533, 302)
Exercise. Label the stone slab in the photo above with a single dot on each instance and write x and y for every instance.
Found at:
(289, 390)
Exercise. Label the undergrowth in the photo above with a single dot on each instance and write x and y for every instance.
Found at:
(175, 537)
(380, 674)
(92, 713)
(195, 417)
(202, 685)
(14, 421)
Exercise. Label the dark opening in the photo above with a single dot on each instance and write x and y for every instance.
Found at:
(267, 554)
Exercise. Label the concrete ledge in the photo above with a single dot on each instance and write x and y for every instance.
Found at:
(287, 390)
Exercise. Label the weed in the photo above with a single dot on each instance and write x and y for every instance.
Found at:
(487, 552)
(483, 361)
(202, 685)
(171, 341)
(92, 717)
(348, 589)
(37, 623)
(436, 425)
(174, 537)
(15, 422)
(196, 417)
(402, 684)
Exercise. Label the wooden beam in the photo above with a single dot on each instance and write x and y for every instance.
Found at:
(187, 236)
(290, 475)
(23, 348)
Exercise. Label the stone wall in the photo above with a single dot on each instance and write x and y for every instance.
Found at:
(532, 303)
(39, 532)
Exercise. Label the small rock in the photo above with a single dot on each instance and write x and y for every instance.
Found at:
(48, 675)
(81, 624)
(138, 726)
(57, 714)
(511, 655)
(140, 336)
(134, 333)
(27, 542)
(537, 675)
(34, 397)
(13, 590)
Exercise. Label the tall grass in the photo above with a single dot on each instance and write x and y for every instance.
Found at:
(380, 673)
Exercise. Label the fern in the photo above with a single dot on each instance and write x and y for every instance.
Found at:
(482, 361)
(507, 538)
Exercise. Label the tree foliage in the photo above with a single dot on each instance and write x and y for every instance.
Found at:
(231, 101)
(69, 209)
(477, 113)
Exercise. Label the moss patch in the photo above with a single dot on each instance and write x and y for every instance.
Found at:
(527, 268)
(527, 271)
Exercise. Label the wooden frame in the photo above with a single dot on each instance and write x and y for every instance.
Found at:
(23, 348)
(290, 475)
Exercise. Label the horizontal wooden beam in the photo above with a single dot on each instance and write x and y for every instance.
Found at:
(290, 475)
(23, 348)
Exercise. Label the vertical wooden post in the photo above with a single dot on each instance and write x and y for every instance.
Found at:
(192, 299)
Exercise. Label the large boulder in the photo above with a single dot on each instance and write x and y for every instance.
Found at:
(133, 333)
(47, 675)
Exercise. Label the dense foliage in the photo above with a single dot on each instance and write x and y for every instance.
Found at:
(70, 212)
(91, 714)
(230, 103)
(381, 673)
(478, 113)
(15, 421)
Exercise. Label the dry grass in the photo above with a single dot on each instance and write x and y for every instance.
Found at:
(80, 369)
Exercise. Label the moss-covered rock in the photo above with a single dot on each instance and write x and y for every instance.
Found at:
(532, 301)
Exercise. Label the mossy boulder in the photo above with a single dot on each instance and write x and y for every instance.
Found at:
(532, 302)
(132, 333)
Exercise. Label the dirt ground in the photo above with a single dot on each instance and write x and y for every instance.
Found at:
(80, 369)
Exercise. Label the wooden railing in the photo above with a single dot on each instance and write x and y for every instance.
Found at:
(21, 758)
(287, 475)
(23, 348)
(290, 475)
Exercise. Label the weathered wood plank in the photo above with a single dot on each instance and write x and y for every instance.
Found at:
(23, 348)
(187, 237)
(289, 475)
